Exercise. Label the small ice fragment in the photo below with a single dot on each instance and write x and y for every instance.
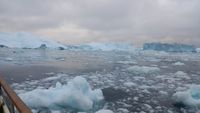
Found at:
(178, 64)
(142, 69)
(8, 59)
(104, 111)
(129, 84)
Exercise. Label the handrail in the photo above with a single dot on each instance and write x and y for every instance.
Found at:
(16, 101)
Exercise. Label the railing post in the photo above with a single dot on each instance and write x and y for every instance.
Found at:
(13, 101)
(0, 90)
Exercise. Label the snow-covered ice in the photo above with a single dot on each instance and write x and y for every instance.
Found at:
(104, 111)
(198, 50)
(26, 40)
(129, 84)
(190, 97)
(111, 46)
(142, 69)
(102, 47)
(76, 94)
(169, 47)
(8, 59)
(178, 64)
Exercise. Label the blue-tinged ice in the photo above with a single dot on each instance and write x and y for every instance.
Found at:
(76, 94)
(169, 47)
(26, 40)
(191, 97)
(103, 47)
(198, 50)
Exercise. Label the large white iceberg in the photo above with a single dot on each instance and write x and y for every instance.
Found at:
(191, 97)
(169, 47)
(76, 94)
(26, 40)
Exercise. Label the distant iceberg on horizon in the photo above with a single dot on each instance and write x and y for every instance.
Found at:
(26, 40)
(167, 47)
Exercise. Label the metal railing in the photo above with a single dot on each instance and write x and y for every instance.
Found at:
(11, 100)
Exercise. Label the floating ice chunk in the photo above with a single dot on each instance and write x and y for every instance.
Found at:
(190, 97)
(123, 110)
(163, 92)
(178, 64)
(182, 74)
(142, 69)
(111, 46)
(129, 84)
(104, 111)
(8, 59)
(127, 62)
(198, 50)
(52, 111)
(76, 94)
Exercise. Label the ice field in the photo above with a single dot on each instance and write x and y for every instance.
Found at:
(110, 81)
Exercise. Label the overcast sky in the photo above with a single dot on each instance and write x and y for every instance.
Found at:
(83, 21)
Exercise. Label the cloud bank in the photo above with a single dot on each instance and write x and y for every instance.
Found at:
(83, 21)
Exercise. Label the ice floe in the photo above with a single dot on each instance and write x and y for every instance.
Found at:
(8, 59)
(142, 69)
(104, 111)
(76, 94)
(129, 84)
(178, 64)
(190, 97)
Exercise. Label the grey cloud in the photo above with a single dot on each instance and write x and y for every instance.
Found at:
(137, 21)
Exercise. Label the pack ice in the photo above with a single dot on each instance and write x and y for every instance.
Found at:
(76, 94)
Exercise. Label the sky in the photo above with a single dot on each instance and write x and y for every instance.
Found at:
(85, 21)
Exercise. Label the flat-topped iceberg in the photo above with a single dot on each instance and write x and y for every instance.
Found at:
(76, 94)
(169, 47)
(26, 40)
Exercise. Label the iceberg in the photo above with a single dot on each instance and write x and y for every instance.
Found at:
(190, 97)
(102, 47)
(111, 46)
(26, 40)
(76, 94)
(169, 47)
